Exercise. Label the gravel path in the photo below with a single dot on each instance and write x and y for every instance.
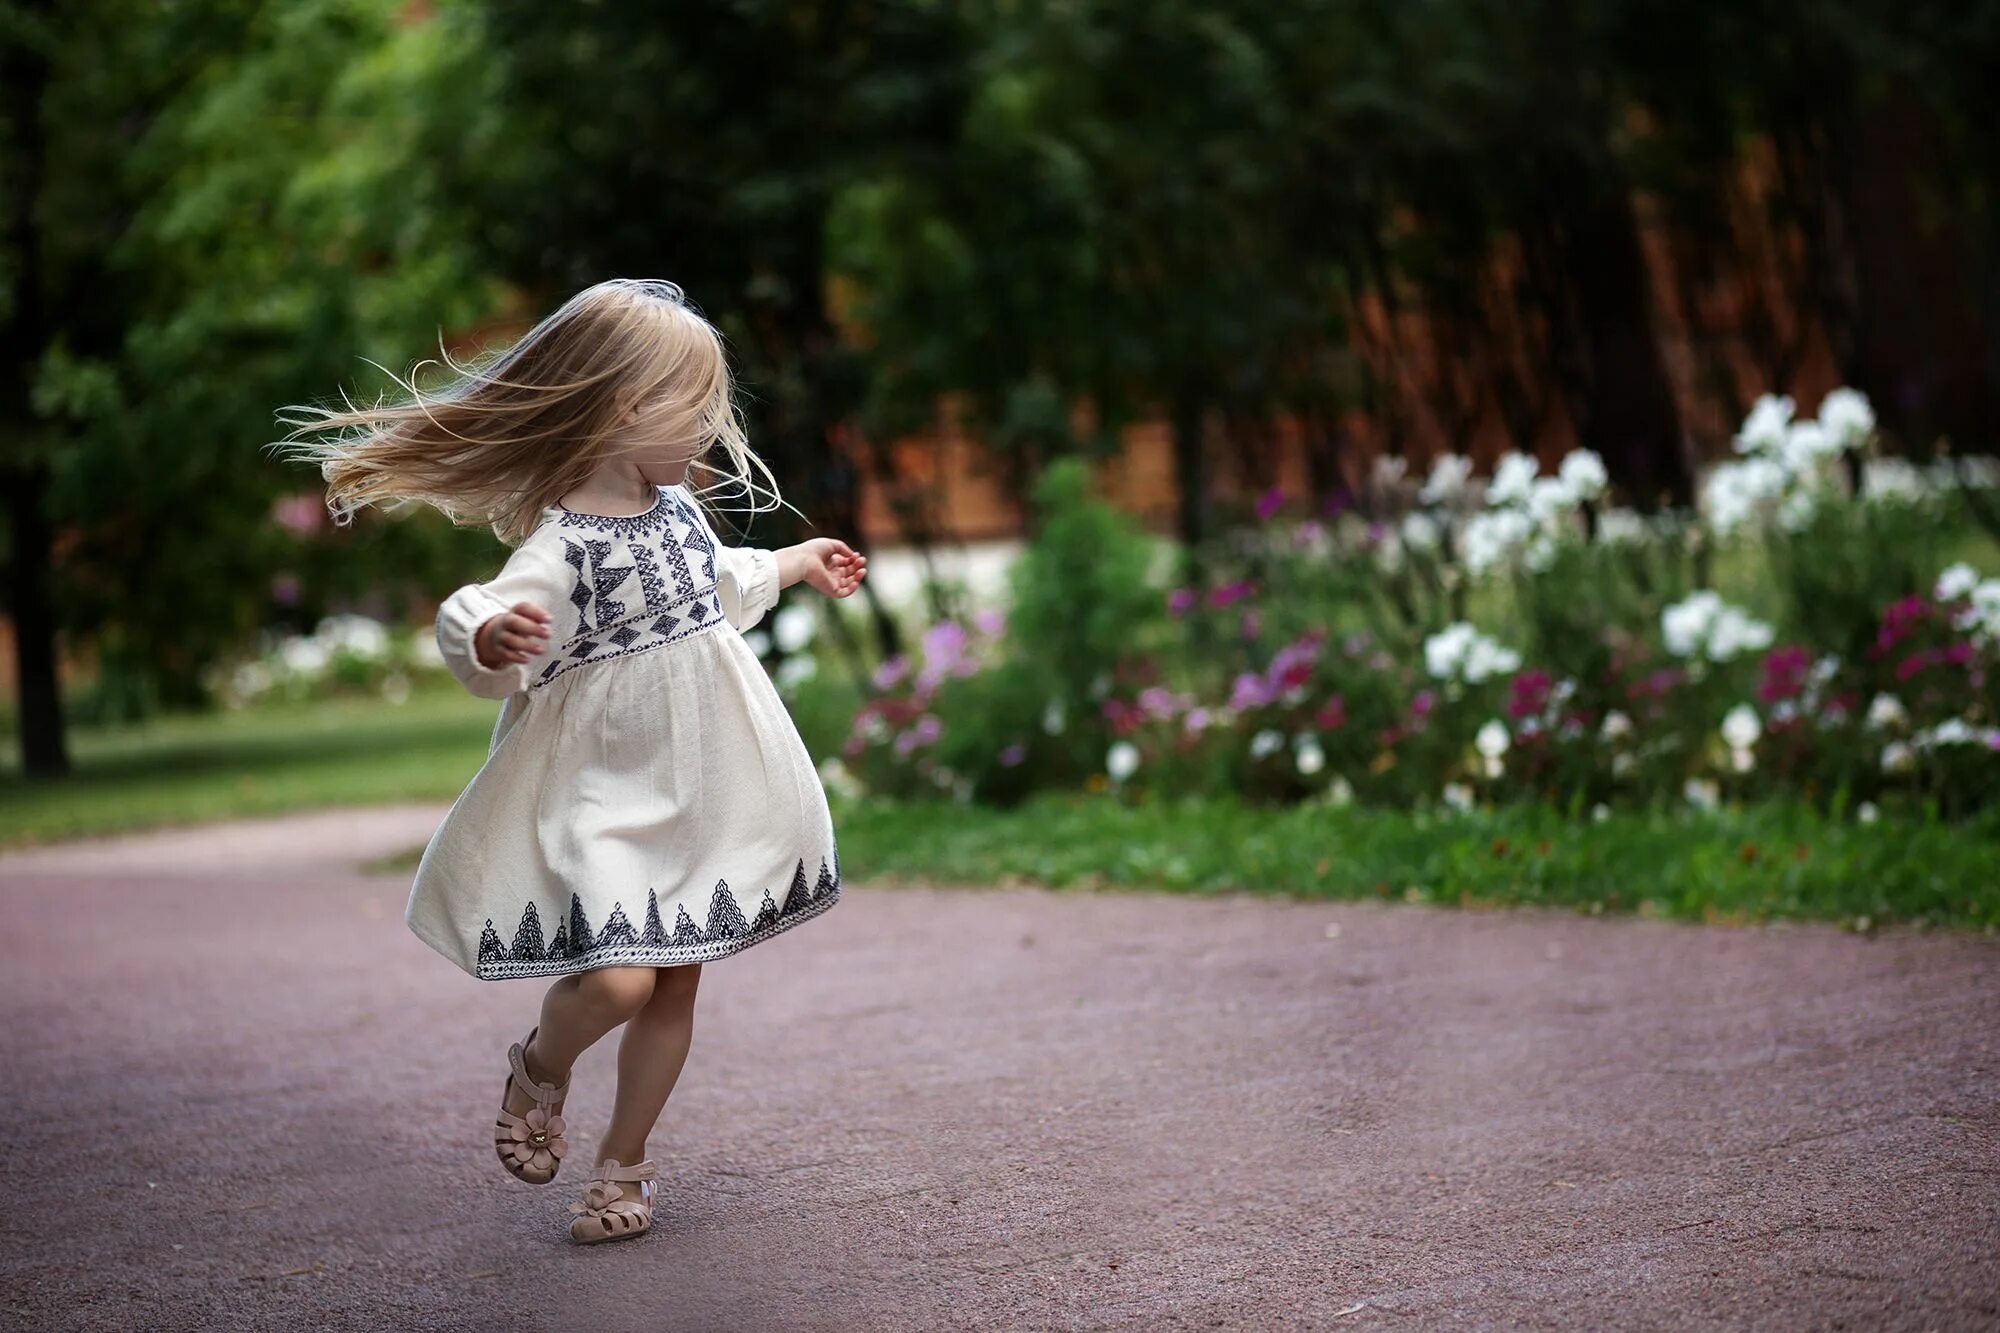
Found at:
(244, 1096)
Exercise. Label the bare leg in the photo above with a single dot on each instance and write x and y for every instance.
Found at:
(576, 1011)
(650, 1057)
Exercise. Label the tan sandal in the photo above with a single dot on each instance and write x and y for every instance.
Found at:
(531, 1147)
(606, 1214)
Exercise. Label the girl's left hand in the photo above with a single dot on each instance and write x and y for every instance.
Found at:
(831, 565)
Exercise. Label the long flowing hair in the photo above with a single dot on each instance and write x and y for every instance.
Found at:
(501, 441)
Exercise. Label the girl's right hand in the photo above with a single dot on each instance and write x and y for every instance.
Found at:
(512, 636)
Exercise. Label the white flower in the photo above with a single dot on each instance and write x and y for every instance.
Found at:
(1702, 794)
(1886, 711)
(793, 627)
(1806, 444)
(1512, 478)
(1741, 728)
(759, 641)
(304, 656)
(1847, 417)
(1308, 755)
(1492, 740)
(1764, 429)
(1867, 813)
(1898, 757)
(1583, 473)
(1702, 624)
(1893, 481)
(1956, 731)
(396, 687)
(1460, 651)
(358, 635)
(1420, 532)
(1390, 470)
(1549, 500)
(1685, 625)
(1734, 634)
(1052, 717)
(1340, 792)
(1489, 538)
(1266, 743)
(1955, 582)
(1541, 554)
(1734, 492)
(1621, 527)
(1599, 813)
(837, 777)
(1447, 479)
(1795, 512)
(1617, 726)
(794, 670)
(1458, 796)
(1121, 761)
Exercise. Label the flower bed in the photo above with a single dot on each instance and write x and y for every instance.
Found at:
(1442, 641)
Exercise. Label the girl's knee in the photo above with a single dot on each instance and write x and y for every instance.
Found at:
(676, 985)
(618, 990)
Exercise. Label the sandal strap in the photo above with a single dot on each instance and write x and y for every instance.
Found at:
(544, 1093)
(610, 1169)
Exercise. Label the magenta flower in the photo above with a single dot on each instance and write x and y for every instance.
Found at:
(1230, 593)
(1013, 755)
(1529, 694)
(1269, 503)
(891, 672)
(1181, 601)
(1421, 705)
(989, 623)
(1332, 714)
(1785, 672)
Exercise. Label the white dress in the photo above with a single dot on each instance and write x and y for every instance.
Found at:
(646, 798)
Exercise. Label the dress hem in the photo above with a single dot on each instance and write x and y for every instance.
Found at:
(670, 955)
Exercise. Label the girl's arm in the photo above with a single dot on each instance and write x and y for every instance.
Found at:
(494, 634)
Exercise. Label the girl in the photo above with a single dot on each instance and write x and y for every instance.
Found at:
(646, 804)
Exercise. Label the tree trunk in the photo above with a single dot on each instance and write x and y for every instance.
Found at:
(43, 752)
(24, 74)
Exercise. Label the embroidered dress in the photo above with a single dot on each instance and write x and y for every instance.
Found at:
(646, 799)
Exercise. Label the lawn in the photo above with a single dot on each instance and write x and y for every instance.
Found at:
(188, 768)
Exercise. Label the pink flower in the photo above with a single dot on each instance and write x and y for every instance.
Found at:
(1181, 601)
(1332, 714)
(891, 672)
(989, 623)
(1529, 694)
(1229, 593)
(1198, 719)
(1250, 624)
(1421, 705)
(1012, 756)
(300, 514)
(1249, 691)
(1269, 503)
(1784, 674)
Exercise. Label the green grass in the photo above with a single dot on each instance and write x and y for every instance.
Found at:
(1758, 864)
(190, 768)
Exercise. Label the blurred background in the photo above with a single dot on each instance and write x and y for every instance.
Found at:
(1419, 448)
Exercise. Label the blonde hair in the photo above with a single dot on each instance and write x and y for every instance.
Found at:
(505, 440)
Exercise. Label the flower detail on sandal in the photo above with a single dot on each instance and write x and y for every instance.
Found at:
(535, 1143)
(530, 1146)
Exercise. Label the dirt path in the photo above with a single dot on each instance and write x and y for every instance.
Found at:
(244, 1096)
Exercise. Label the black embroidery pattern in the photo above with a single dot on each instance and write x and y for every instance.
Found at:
(577, 948)
(608, 624)
(630, 526)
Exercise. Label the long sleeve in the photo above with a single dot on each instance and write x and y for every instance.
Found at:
(533, 573)
(746, 579)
